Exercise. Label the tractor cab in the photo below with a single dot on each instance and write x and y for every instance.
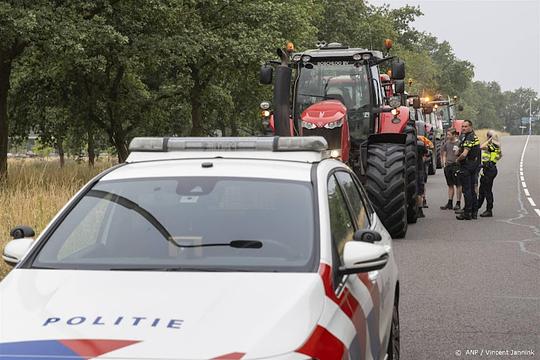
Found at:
(336, 92)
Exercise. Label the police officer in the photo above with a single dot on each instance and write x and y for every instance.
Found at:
(491, 153)
(469, 161)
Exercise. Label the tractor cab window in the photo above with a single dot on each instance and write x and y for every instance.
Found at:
(412, 113)
(445, 116)
(340, 80)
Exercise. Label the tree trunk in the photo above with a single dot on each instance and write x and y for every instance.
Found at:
(5, 73)
(234, 127)
(91, 145)
(117, 137)
(121, 149)
(60, 146)
(196, 113)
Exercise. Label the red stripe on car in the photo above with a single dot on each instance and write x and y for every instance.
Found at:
(323, 345)
(231, 356)
(94, 348)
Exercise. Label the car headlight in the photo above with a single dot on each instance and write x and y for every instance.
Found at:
(334, 124)
(308, 125)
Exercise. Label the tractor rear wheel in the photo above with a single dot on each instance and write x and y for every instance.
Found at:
(386, 185)
(411, 159)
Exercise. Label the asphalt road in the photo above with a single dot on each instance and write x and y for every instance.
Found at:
(474, 285)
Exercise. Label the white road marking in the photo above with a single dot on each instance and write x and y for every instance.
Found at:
(537, 211)
(523, 178)
(526, 191)
(523, 184)
(531, 201)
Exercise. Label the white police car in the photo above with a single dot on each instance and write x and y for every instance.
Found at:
(207, 248)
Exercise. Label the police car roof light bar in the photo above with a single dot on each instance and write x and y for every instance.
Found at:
(276, 143)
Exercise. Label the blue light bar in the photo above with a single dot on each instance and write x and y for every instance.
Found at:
(276, 143)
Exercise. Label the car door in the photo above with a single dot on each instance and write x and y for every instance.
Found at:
(357, 295)
(377, 283)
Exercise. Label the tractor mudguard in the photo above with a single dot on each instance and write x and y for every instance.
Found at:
(394, 124)
(393, 138)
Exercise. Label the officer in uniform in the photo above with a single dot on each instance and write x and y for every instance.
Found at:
(469, 161)
(491, 153)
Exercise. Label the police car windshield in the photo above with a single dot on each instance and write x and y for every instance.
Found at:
(175, 223)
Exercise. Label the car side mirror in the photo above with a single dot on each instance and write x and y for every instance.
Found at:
(398, 70)
(22, 231)
(360, 257)
(404, 99)
(15, 250)
(399, 86)
(266, 74)
(369, 236)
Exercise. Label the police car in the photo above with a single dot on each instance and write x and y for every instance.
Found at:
(207, 248)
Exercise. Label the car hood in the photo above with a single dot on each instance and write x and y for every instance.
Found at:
(180, 315)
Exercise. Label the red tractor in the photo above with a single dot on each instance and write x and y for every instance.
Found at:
(337, 92)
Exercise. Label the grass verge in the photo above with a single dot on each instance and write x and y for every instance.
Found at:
(35, 191)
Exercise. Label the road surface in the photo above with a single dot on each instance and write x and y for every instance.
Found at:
(471, 289)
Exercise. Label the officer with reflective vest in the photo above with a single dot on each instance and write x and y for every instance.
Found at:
(491, 153)
(469, 162)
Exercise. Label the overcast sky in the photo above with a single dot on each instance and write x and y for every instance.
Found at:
(500, 37)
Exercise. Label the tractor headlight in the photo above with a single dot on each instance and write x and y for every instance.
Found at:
(334, 124)
(308, 125)
(394, 101)
(335, 154)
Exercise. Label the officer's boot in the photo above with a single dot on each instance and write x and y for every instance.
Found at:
(474, 215)
(448, 205)
(487, 213)
(458, 205)
(464, 216)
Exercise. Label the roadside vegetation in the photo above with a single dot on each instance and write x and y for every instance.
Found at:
(35, 191)
(86, 76)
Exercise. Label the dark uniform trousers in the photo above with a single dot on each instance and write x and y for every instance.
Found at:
(467, 178)
(486, 186)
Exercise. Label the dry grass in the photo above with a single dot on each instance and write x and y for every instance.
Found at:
(34, 193)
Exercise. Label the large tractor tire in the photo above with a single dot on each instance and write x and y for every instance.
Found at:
(411, 160)
(432, 163)
(386, 185)
(438, 153)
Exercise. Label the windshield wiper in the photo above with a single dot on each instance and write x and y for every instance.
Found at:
(239, 244)
(319, 96)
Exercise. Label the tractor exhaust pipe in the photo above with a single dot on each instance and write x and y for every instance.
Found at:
(282, 107)
(282, 86)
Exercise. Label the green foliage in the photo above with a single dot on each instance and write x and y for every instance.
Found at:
(90, 74)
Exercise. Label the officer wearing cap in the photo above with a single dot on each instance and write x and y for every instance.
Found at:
(491, 153)
(469, 161)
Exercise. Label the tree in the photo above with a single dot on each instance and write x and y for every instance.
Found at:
(18, 23)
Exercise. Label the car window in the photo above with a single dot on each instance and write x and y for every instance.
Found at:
(354, 198)
(188, 222)
(341, 224)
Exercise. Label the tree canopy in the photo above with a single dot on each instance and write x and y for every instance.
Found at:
(85, 75)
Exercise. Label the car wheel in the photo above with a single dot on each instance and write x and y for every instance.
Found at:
(393, 344)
